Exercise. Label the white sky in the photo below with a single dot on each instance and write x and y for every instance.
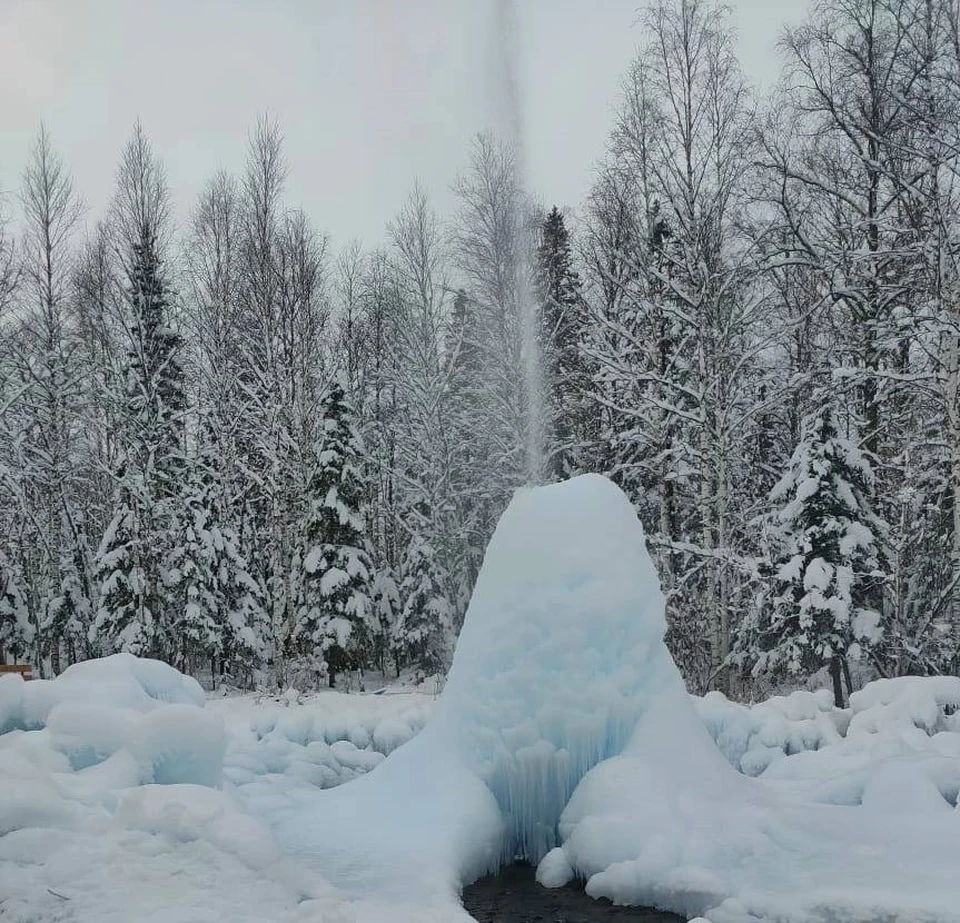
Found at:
(370, 94)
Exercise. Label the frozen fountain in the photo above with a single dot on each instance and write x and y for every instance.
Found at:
(560, 653)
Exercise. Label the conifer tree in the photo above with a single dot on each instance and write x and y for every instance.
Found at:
(126, 618)
(192, 573)
(154, 375)
(422, 632)
(566, 371)
(69, 614)
(222, 614)
(16, 629)
(334, 618)
(828, 558)
(140, 540)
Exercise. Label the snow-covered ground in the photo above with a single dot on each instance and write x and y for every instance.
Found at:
(564, 734)
(123, 792)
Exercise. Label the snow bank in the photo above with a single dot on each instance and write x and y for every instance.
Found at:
(132, 711)
(122, 681)
(124, 796)
(830, 755)
(752, 737)
(109, 810)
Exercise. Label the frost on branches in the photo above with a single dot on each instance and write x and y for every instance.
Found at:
(333, 621)
(827, 560)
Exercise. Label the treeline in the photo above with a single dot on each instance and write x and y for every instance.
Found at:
(224, 443)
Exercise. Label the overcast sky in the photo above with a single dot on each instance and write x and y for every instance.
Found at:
(370, 94)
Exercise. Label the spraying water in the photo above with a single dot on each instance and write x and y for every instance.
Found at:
(506, 43)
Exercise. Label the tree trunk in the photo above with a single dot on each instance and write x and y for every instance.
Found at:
(55, 654)
(846, 674)
(837, 682)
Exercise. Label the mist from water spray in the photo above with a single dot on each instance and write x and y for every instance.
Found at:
(506, 43)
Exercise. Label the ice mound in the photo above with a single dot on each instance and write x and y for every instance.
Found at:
(120, 718)
(753, 737)
(559, 652)
(120, 680)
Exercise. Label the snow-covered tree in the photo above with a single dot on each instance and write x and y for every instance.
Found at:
(154, 375)
(676, 320)
(50, 408)
(16, 630)
(566, 366)
(334, 618)
(70, 612)
(828, 559)
(421, 634)
(126, 618)
(221, 614)
(133, 607)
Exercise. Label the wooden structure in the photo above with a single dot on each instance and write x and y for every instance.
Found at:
(24, 669)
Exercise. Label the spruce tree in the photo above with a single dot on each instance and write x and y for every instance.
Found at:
(565, 367)
(333, 620)
(126, 618)
(134, 551)
(155, 399)
(221, 611)
(422, 632)
(192, 573)
(16, 630)
(827, 559)
(69, 614)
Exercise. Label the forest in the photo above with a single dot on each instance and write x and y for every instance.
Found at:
(238, 444)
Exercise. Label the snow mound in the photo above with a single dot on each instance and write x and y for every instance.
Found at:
(929, 703)
(121, 680)
(830, 755)
(320, 740)
(109, 810)
(138, 714)
(752, 737)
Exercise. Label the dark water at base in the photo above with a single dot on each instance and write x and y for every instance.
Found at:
(513, 896)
